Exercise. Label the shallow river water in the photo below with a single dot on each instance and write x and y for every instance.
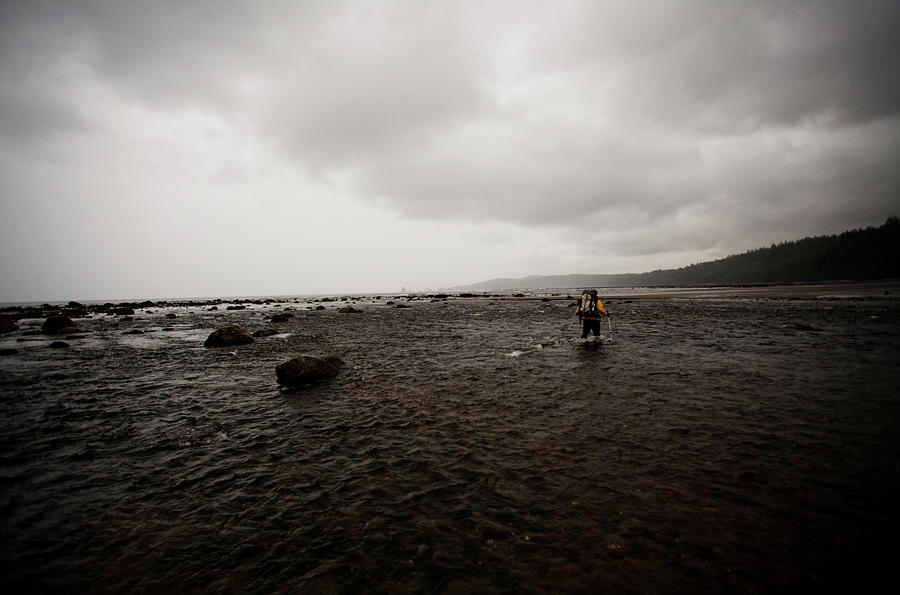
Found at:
(468, 445)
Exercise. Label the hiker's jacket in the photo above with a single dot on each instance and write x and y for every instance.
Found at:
(592, 315)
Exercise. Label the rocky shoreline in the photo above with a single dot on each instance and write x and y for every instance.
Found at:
(73, 309)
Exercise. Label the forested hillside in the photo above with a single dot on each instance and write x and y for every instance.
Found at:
(871, 253)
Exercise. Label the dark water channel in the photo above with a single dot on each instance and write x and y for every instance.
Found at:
(467, 446)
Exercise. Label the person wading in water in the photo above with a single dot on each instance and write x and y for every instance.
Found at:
(589, 311)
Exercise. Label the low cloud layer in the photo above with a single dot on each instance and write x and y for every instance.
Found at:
(491, 138)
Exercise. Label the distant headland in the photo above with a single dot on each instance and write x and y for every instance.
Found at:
(856, 255)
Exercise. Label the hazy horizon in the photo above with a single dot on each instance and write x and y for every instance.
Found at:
(322, 148)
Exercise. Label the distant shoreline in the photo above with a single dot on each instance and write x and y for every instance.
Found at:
(864, 289)
(838, 290)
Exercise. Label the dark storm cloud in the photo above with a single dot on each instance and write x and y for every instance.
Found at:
(368, 84)
(677, 123)
(778, 63)
(34, 69)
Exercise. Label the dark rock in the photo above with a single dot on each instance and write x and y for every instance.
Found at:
(349, 310)
(122, 311)
(214, 309)
(59, 345)
(320, 307)
(236, 308)
(403, 306)
(8, 351)
(266, 332)
(75, 309)
(228, 335)
(170, 315)
(135, 331)
(281, 317)
(58, 325)
(305, 370)
(7, 325)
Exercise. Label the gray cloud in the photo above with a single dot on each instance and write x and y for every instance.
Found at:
(652, 126)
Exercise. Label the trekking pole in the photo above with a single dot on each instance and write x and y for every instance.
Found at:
(609, 324)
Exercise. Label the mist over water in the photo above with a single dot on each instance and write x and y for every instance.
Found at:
(467, 445)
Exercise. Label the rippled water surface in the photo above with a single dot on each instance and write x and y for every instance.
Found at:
(466, 446)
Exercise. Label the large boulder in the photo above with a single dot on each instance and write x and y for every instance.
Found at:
(227, 336)
(58, 325)
(306, 369)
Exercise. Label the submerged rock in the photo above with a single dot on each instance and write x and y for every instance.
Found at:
(266, 332)
(281, 317)
(349, 310)
(227, 336)
(58, 325)
(305, 370)
(59, 345)
(8, 351)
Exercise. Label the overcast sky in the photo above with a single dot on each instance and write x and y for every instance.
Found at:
(186, 149)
